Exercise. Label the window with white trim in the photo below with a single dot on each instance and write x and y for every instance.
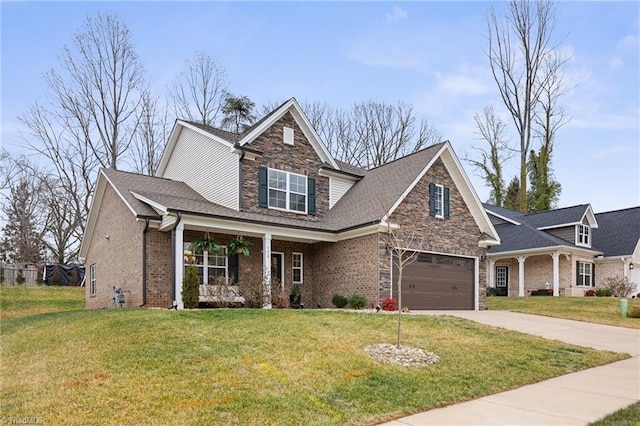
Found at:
(439, 201)
(212, 268)
(287, 191)
(584, 235)
(296, 266)
(585, 274)
(92, 280)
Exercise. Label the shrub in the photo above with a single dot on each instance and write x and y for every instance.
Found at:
(493, 291)
(357, 301)
(1, 274)
(191, 288)
(634, 310)
(39, 277)
(74, 277)
(56, 279)
(619, 286)
(603, 292)
(339, 301)
(389, 304)
(590, 293)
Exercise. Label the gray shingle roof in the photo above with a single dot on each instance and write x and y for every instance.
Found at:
(618, 231)
(365, 203)
(524, 237)
(509, 214)
(556, 217)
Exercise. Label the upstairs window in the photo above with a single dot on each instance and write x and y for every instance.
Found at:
(92, 280)
(584, 237)
(439, 201)
(286, 191)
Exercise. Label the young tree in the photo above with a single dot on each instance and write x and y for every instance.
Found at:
(198, 92)
(237, 113)
(520, 45)
(491, 129)
(512, 196)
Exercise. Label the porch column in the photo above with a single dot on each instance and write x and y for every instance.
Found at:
(266, 261)
(179, 264)
(556, 273)
(492, 273)
(521, 275)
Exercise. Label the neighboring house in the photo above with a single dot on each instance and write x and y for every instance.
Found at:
(564, 252)
(313, 221)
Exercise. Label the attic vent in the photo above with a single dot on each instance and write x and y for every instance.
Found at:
(288, 136)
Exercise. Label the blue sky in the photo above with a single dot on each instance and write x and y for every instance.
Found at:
(427, 54)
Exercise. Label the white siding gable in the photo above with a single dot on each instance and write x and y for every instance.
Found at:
(337, 188)
(207, 166)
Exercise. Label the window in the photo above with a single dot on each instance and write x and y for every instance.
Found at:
(212, 267)
(585, 274)
(583, 235)
(287, 191)
(438, 201)
(296, 263)
(92, 280)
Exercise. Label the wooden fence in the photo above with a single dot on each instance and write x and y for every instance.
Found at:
(10, 274)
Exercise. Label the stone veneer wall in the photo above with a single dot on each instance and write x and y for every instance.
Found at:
(458, 235)
(347, 267)
(117, 259)
(301, 158)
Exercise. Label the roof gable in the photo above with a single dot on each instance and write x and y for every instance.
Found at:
(303, 122)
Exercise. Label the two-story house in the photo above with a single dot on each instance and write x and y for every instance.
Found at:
(564, 252)
(313, 222)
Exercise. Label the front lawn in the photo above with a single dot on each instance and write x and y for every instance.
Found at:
(600, 310)
(135, 366)
(629, 416)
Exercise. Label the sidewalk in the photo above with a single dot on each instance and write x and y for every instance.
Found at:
(573, 399)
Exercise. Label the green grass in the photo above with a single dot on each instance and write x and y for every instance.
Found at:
(629, 416)
(254, 366)
(601, 310)
(22, 301)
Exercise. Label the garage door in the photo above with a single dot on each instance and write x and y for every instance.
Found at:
(437, 282)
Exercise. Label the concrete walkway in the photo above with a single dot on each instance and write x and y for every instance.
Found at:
(573, 399)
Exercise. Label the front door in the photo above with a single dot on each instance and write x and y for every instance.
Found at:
(277, 270)
(502, 280)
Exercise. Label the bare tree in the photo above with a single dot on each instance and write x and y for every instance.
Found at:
(26, 219)
(198, 92)
(491, 129)
(550, 117)
(519, 46)
(99, 86)
(151, 136)
(61, 237)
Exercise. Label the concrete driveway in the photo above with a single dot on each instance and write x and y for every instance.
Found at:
(573, 399)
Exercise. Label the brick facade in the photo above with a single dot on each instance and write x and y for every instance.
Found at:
(118, 258)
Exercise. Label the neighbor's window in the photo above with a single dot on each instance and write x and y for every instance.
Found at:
(439, 203)
(287, 191)
(212, 267)
(585, 274)
(583, 235)
(297, 268)
(92, 280)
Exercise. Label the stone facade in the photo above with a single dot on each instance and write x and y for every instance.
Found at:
(118, 257)
(301, 158)
(458, 235)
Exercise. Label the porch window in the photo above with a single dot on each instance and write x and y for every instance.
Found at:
(92, 280)
(212, 267)
(585, 274)
(296, 263)
(287, 191)
(501, 276)
(583, 235)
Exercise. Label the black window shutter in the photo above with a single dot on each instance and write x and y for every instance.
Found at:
(311, 196)
(233, 269)
(432, 199)
(593, 275)
(578, 273)
(446, 203)
(263, 187)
